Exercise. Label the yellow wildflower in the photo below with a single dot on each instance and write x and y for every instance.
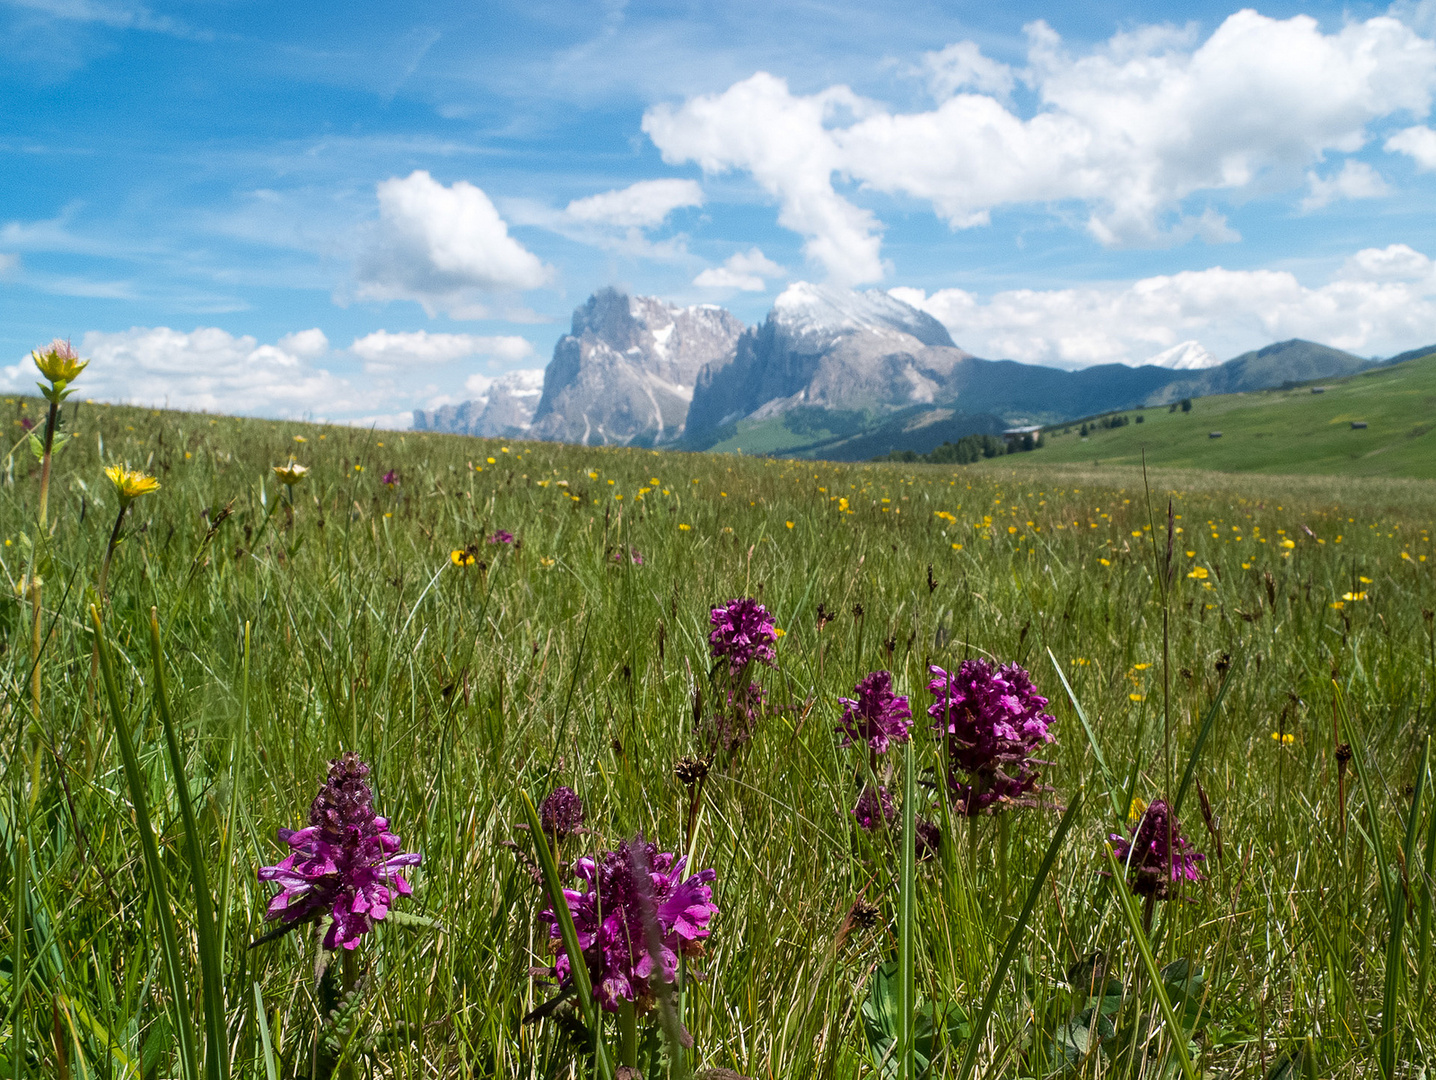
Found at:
(1285, 740)
(1136, 810)
(1200, 573)
(684, 528)
(129, 483)
(462, 557)
(291, 473)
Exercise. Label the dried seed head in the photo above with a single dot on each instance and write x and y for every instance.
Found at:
(864, 915)
(690, 769)
(1343, 756)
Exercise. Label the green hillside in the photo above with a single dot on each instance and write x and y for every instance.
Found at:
(1277, 431)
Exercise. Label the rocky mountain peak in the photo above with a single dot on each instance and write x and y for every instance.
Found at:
(625, 373)
(827, 312)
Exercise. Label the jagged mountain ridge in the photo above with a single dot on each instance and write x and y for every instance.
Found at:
(836, 373)
(625, 372)
(505, 411)
(828, 348)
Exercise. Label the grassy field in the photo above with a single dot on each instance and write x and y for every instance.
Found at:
(1278, 431)
(561, 659)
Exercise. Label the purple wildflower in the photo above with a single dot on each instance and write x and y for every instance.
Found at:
(992, 719)
(344, 864)
(928, 840)
(561, 813)
(27, 423)
(743, 631)
(635, 916)
(874, 808)
(634, 555)
(877, 715)
(390, 478)
(501, 536)
(1156, 855)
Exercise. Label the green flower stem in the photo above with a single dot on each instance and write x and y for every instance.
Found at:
(627, 1035)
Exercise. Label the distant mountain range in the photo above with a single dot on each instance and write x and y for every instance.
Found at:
(829, 373)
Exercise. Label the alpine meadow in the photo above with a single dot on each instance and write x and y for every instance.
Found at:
(332, 752)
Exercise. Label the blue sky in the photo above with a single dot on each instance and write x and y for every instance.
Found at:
(192, 190)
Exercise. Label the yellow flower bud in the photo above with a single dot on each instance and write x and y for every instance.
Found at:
(59, 362)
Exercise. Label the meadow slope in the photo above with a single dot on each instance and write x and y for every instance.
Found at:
(1291, 431)
(466, 680)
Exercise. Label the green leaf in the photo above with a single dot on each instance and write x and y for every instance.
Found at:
(412, 921)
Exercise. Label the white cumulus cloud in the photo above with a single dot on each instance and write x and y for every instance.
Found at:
(386, 351)
(206, 368)
(1382, 301)
(962, 65)
(642, 205)
(446, 248)
(784, 142)
(744, 271)
(1417, 143)
(1356, 180)
(305, 343)
(1134, 130)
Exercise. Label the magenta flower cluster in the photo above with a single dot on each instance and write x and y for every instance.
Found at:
(876, 716)
(1157, 855)
(635, 916)
(993, 721)
(874, 808)
(743, 632)
(501, 536)
(346, 864)
(561, 813)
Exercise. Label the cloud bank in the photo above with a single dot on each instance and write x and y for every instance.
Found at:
(1141, 134)
(1382, 301)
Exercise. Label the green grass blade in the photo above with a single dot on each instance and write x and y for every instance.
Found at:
(1423, 963)
(1391, 991)
(1014, 939)
(1206, 729)
(18, 974)
(1118, 806)
(262, 1019)
(211, 961)
(169, 936)
(1395, 898)
(583, 988)
(907, 998)
(1149, 964)
(231, 820)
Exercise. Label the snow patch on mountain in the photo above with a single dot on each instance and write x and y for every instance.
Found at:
(826, 312)
(1184, 356)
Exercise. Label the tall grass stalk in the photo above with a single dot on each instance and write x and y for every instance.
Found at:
(1135, 926)
(907, 917)
(211, 955)
(159, 888)
(19, 974)
(983, 1016)
(582, 988)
